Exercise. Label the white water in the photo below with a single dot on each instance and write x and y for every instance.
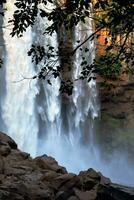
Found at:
(34, 113)
(62, 120)
(41, 121)
(19, 103)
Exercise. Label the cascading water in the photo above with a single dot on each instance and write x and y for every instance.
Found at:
(33, 112)
(85, 96)
(38, 118)
(19, 105)
(2, 75)
(48, 99)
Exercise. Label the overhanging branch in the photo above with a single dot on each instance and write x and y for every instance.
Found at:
(88, 38)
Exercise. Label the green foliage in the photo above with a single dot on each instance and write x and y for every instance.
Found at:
(66, 87)
(2, 2)
(48, 59)
(108, 66)
(117, 16)
(88, 70)
(24, 16)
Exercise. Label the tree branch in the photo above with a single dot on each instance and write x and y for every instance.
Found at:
(88, 38)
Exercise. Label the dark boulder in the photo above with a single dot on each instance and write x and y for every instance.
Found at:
(24, 178)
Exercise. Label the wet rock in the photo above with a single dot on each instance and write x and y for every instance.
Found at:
(115, 192)
(87, 195)
(104, 180)
(121, 115)
(40, 192)
(117, 117)
(73, 198)
(90, 173)
(49, 175)
(24, 178)
(4, 149)
(89, 178)
(8, 140)
(47, 162)
(4, 195)
(64, 195)
(67, 181)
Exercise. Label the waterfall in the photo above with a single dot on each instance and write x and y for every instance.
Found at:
(33, 111)
(19, 105)
(63, 120)
(85, 97)
(48, 99)
(39, 118)
(2, 75)
(84, 106)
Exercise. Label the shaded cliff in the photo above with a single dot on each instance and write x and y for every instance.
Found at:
(116, 122)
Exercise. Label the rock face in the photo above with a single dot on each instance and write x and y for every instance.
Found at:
(24, 178)
(116, 123)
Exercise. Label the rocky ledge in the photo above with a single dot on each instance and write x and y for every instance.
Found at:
(24, 178)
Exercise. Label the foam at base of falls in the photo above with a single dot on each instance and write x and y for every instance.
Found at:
(78, 157)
